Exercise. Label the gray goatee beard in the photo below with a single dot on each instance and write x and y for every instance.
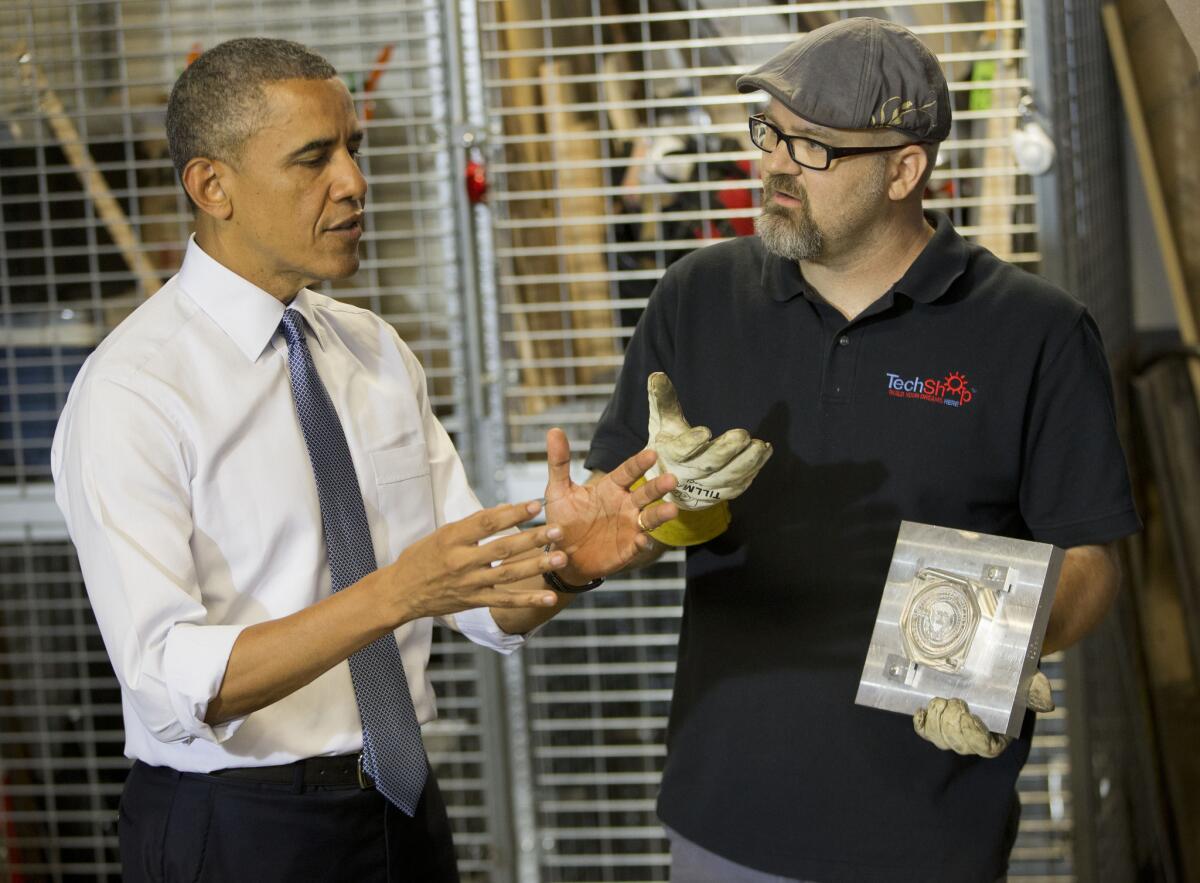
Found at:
(790, 234)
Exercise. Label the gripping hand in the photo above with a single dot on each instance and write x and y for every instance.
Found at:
(950, 725)
(710, 471)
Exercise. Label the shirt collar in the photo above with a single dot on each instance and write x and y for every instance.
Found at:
(302, 303)
(942, 261)
(246, 313)
(939, 264)
(783, 279)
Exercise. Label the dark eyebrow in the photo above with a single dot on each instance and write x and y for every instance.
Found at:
(803, 133)
(323, 144)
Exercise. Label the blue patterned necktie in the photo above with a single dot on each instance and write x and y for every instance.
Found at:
(393, 754)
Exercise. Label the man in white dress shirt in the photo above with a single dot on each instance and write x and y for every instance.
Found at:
(183, 470)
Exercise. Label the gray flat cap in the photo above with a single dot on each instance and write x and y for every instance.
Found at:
(859, 73)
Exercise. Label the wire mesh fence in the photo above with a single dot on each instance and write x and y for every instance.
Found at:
(91, 221)
(618, 144)
(614, 143)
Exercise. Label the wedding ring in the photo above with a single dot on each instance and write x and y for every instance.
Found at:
(642, 526)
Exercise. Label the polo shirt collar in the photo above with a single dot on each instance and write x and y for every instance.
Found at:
(942, 261)
(939, 264)
(246, 313)
(783, 279)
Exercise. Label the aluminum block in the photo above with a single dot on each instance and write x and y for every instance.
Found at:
(963, 615)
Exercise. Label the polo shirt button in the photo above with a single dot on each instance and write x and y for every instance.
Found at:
(844, 340)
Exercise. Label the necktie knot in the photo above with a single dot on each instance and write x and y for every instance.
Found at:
(292, 327)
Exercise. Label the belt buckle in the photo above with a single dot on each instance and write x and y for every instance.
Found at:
(364, 781)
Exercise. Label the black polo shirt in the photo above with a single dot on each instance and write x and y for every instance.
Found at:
(971, 395)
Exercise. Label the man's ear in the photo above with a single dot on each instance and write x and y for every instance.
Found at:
(202, 181)
(907, 171)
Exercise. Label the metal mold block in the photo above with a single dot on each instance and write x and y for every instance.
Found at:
(962, 616)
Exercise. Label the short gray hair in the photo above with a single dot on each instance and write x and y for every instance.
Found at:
(218, 102)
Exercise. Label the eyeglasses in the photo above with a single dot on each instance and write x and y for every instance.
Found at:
(804, 150)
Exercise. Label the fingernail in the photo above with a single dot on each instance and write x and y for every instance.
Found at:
(549, 600)
(533, 507)
(558, 560)
(555, 533)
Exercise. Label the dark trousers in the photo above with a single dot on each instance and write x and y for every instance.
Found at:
(190, 827)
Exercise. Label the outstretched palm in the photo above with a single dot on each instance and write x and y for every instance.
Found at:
(599, 520)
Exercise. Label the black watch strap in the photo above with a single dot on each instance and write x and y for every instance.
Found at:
(554, 581)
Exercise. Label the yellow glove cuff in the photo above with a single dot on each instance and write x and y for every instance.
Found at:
(691, 526)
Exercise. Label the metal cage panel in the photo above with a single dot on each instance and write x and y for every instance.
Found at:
(87, 233)
(617, 143)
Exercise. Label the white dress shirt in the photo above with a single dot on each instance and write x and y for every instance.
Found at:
(186, 484)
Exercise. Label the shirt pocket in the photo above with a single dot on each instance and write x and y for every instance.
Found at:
(404, 491)
(400, 464)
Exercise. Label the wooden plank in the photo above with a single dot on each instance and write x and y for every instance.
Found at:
(1163, 232)
(94, 184)
(560, 120)
(1187, 13)
(999, 189)
(1168, 595)
(524, 126)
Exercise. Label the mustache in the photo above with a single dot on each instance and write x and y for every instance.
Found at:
(783, 184)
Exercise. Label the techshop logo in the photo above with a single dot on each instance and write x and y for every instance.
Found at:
(951, 390)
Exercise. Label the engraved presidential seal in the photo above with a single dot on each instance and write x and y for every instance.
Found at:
(940, 619)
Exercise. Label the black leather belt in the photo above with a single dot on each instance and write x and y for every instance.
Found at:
(344, 769)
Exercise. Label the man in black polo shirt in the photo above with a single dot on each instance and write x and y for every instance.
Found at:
(899, 372)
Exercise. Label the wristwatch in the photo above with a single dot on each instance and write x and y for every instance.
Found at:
(554, 581)
(941, 617)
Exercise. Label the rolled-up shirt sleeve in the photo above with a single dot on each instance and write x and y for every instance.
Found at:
(122, 473)
(479, 626)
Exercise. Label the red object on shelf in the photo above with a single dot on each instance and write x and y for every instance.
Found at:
(476, 182)
(372, 81)
(740, 198)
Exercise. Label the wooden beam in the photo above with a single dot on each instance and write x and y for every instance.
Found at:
(1172, 264)
(94, 185)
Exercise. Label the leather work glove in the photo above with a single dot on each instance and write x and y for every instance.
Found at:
(710, 471)
(950, 725)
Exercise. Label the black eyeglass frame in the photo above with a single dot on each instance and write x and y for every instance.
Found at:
(831, 153)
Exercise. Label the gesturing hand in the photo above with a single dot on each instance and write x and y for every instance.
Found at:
(599, 521)
(709, 470)
(452, 569)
